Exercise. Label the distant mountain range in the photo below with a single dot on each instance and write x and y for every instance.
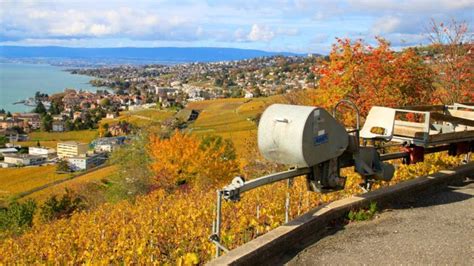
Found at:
(163, 54)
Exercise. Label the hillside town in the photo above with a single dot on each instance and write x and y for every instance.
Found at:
(131, 88)
(139, 87)
(256, 77)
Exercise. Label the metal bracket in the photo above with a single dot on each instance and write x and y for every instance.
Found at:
(325, 177)
(216, 240)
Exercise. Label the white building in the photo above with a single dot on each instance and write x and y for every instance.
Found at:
(58, 126)
(4, 151)
(86, 162)
(42, 151)
(107, 144)
(248, 94)
(23, 159)
(111, 115)
(107, 147)
(6, 165)
(71, 149)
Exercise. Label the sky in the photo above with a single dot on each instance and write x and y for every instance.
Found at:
(301, 26)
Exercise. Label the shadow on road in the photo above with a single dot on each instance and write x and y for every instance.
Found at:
(444, 195)
(431, 197)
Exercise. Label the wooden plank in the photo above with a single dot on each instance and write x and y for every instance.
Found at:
(412, 132)
(462, 114)
(451, 119)
(446, 137)
(423, 108)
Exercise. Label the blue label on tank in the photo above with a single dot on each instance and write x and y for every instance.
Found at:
(317, 140)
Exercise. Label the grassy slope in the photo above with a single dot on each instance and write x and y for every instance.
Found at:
(141, 118)
(91, 177)
(16, 180)
(230, 118)
(50, 139)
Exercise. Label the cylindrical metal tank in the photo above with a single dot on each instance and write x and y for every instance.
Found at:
(301, 136)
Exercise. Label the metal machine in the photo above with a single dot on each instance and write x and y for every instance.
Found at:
(316, 145)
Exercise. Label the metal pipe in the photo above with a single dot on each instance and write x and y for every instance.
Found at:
(353, 107)
(400, 155)
(393, 156)
(218, 223)
(239, 188)
(264, 180)
(219, 245)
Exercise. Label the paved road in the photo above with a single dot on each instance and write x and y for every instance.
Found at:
(437, 229)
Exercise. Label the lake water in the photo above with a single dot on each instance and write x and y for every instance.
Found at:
(19, 81)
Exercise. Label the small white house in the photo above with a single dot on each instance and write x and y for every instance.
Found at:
(42, 151)
(106, 147)
(6, 165)
(111, 115)
(248, 95)
(58, 126)
(4, 151)
(86, 162)
(24, 159)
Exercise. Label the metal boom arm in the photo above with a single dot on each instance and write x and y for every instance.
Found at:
(238, 185)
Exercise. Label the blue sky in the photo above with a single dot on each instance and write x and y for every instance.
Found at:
(301, 26)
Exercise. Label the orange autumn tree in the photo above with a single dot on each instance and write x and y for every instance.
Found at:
(371, 76)
(453, 61)
(184, 159)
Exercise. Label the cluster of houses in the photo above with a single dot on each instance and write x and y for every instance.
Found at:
(82, 100)
(178, 84)
(78, 155)
(26, 121)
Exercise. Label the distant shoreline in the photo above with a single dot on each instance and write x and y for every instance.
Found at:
(132, 55)
(20, 81)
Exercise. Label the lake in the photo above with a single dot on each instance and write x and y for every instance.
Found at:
(19, 81)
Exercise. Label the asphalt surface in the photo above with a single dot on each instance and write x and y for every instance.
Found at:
(435, 229)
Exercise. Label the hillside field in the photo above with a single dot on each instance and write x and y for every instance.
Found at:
(94, 176)
(17, 180)
(50, 139)
(140, 118)
(232, 118)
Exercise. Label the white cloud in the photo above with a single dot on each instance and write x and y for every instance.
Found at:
(100, 29)
(240, 23)
(69, 29)
(260, 33)
(30, 22)
(387, 24)
(411, 6)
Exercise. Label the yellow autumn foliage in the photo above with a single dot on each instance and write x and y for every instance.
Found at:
(173, 228)
(186, 159)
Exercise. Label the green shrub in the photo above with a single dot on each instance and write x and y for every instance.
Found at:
(55, 208)
(17, 216)
(363, 214)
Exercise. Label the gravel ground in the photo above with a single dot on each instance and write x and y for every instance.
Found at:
(435, 229)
